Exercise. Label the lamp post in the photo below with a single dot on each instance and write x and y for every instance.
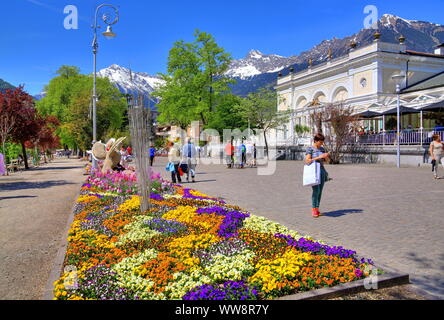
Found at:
(398, 78)
(109, 34)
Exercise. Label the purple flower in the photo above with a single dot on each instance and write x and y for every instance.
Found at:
(230, 290)
(187, 195)
(306, 245)
(167, 227)
(100, 282)
(232, 222)
(156, 196)
(358, 273)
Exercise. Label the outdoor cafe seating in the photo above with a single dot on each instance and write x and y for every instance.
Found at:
(408, 134)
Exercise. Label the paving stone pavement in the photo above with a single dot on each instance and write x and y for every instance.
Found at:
(394, 216)
(34, 210)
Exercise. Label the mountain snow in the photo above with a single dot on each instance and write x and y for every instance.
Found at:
(256, 63)
(257, 69)
(130, 81)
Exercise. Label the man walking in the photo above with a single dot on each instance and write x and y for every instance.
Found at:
(189, 157)
(152, 155)
(243, 150)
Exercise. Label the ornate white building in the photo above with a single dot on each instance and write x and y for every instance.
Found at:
(363, 79)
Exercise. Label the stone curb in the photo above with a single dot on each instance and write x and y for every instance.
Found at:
(60, 257)
(390, 278)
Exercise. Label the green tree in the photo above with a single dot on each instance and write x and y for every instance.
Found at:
(228, 114)
(260, 108)
(195, 81)
(69, 99)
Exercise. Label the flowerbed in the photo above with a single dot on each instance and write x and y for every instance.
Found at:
(188, 246)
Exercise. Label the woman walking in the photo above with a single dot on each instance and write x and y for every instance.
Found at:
(174, 158)
(437, 154)
(317, 153)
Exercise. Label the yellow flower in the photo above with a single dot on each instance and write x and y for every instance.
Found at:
(130, 204)
(184, 246)
(86, 198)
(270, 271)
(181, 214)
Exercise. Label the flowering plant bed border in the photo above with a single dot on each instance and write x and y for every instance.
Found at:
(221, 223)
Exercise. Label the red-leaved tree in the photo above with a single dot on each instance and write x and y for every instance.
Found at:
(17, 106)
(7, 119)
(46, 139)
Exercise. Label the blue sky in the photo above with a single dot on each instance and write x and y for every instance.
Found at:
(35, 43)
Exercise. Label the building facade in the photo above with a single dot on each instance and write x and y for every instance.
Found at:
(363, 80)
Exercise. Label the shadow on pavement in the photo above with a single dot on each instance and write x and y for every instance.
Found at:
(210, 180)
(432, 283)
(56, 168)
(32, 185)
(17, 197)
(339, 213)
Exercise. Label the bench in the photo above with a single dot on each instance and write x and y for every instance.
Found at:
(14, 165)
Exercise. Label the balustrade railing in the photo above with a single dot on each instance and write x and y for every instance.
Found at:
(407, 137)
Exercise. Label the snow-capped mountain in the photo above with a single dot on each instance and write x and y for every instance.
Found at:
(420, 36)
(129, 81)
(134, 83)
(258, 70)
(257, 63)
(40, 96)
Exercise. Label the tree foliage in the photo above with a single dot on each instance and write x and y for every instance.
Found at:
(195, 82)
(260, 108)
(69, 98)
(20, 123)
(338, 125)
(228, 114)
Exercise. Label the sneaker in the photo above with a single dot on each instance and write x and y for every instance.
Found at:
(314, 213)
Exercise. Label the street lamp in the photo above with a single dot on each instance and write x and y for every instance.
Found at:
(398, 79)
(109, 34)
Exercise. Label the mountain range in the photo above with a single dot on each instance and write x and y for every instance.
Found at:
(5, 85)
(259, 70)
(420, 36)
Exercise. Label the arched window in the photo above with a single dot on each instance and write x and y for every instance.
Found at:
(340, 94)
(319, 97)
(301, 102)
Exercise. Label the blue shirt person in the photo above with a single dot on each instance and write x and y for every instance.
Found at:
(152, 155)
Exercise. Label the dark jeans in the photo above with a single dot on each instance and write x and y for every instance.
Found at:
(175, 174)
(151, 161)
(317, 190)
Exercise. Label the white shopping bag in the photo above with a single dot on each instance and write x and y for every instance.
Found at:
(312, 174)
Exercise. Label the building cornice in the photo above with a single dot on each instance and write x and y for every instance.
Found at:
(352, 59)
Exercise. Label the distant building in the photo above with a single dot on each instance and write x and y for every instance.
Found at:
(363, 79)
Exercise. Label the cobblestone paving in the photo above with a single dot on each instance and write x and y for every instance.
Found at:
(34, 209)
(394, 216)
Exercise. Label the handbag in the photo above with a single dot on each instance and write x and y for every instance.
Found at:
(170, 167)
(184, 167)
(312, 174)
(180, 171)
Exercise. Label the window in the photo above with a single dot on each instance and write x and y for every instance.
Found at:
(363, 82)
